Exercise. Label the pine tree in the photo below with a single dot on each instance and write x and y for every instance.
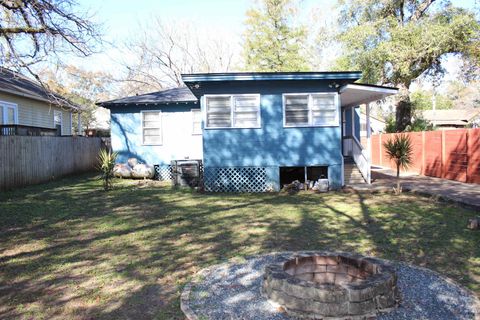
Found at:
(272, 41)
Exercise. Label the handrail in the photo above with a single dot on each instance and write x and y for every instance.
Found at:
(22, 130)
(360, 157)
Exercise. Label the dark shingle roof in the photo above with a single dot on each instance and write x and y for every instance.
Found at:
(181, 94)
(17, 84)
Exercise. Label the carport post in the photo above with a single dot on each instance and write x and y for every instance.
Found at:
(369, 143)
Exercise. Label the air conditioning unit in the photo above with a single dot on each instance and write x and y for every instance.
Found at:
(187, 173)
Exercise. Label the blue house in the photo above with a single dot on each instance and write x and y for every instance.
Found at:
(253, 131)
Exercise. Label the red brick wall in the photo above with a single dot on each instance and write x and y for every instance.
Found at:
(449, 154)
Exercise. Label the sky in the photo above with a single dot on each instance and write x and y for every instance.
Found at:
(120, 19)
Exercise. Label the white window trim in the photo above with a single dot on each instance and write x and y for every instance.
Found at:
(161, 128)
(71, 122)
(310, 118)
(5, 113)
(232, 113)
(192, 111)
(61, 120)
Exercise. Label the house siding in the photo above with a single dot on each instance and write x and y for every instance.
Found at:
(273, 146)
(37, 113)
(178, 142)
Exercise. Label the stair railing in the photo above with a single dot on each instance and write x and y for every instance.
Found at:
(359, 155)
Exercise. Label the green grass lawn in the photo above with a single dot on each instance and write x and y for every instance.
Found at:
(71, 251)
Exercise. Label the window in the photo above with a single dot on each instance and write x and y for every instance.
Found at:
(196, 121)
(8, 113)
(236, 111)
(151, 127)
(317, 109)
(57, 121)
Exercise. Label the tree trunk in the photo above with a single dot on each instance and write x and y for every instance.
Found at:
(398, 178)
(403, 108)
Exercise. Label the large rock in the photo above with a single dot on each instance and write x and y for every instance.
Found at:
(132, 162)
(143, 171)
(474, 223)
(122, 170)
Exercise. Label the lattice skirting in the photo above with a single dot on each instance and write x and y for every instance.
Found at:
(235, 179)
(163, 172)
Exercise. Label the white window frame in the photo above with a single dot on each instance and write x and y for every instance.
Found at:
(192, 111)
(4, 105)
(232, 113)
(161, 128)
(310, 103)
(61, 120)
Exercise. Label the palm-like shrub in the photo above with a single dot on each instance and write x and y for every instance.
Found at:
(106, 163)
(399, 149)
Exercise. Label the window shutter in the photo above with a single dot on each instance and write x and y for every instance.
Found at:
(296, 110)
(196, 122)
(152, 127)
(246, 112)
(218, 112)
(324, 109)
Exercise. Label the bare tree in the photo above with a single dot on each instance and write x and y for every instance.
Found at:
(33, 31)
(163, 51)
(82, 87)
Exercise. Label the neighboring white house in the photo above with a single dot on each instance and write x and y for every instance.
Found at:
(26, 108)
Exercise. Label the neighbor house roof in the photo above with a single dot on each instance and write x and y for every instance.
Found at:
(451, 116)
(181, 94)
(17, 84)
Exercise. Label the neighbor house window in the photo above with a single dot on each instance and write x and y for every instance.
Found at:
(8, 113)
(57, 121)
(233, 111)
(152, 127)
(196, 121)
(313, 109)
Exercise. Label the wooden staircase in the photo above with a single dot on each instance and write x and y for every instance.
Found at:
(351, 173)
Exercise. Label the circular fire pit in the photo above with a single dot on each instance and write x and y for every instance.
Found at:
(331, 285)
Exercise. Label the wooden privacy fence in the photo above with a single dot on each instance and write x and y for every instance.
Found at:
(26, 160)
(449, 154)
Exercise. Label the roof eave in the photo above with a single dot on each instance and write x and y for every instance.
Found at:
(107, 104)
(292, 76)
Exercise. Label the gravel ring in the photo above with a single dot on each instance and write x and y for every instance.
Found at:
(231, 290)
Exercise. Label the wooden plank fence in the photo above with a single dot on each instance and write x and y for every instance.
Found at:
(448, 154)
(26, 160)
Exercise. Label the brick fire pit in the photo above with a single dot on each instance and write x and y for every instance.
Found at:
(332, 285)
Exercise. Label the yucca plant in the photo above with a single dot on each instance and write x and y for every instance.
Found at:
(106, 163)
(399, 149)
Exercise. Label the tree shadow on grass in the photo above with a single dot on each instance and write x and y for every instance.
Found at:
(127, 254)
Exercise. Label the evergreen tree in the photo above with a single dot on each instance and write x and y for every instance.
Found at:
(272, 41)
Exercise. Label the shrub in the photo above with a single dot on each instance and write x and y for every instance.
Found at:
(106, 163)
(399, 149)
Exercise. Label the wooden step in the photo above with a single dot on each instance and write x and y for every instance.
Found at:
(352, 175)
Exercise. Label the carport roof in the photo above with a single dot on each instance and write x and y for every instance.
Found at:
(354, 94)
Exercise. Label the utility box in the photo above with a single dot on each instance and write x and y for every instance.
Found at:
(187, 173)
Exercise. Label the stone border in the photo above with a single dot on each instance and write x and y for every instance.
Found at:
(376, 292)
(415, 191)
(186, 293)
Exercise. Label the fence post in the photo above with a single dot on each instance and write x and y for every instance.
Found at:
(467, 158)
(444, 160)
(380, 149)
(422, 169)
